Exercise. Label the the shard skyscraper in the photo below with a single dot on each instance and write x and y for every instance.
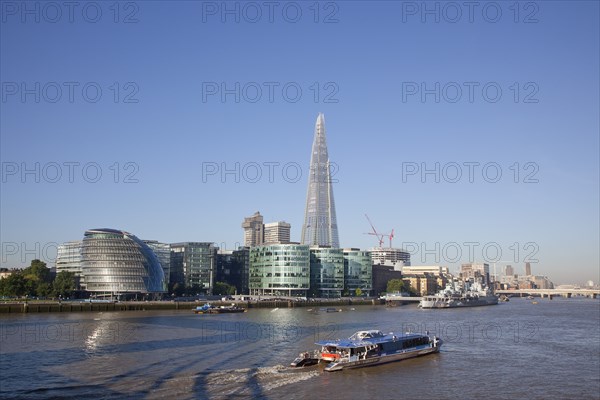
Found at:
(320, 223)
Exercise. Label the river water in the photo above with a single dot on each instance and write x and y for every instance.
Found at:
(515, 350)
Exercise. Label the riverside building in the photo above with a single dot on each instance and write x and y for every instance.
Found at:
(193, 263)
(233, 268)
(68, 258)
(163, 253)
(326, 272)
(358, 272)
(391, 256)
(280, 270)
(117, 263)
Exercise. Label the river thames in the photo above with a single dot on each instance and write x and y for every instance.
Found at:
(513, 350)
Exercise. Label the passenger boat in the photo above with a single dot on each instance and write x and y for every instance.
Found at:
(210, 309)
(366, 348)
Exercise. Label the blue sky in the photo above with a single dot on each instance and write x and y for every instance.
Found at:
(161, 110)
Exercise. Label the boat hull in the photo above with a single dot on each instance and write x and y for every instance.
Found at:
(384, 359)
(220, 311)
(456, 303)
(369, 347)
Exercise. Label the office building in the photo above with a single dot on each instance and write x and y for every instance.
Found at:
(233, 268)
(320, 222)
(280, 270)
(397, 258)
(381, 275)
(277, 232)
(358, 272)
(68, 258)
(253, 230)
(476, 272)
(509, 270)
(542, 282)
(423, 269)
(163, 253)
(326, 272)
(176, 275)
(193, 263)
(528, 269)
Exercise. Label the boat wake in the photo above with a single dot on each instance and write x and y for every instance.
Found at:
(253, 381)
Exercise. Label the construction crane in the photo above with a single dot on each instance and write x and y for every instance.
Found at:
(391, 236)
(379, 236)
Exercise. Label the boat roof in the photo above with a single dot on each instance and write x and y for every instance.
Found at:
(366, 338)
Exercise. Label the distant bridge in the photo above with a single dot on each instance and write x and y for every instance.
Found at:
(550, 293)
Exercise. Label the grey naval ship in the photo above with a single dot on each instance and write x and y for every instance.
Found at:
(460, 294)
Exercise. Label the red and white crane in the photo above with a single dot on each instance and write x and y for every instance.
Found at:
(379, 236)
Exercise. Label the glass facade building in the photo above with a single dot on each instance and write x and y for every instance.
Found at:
(358, 272)
(320, 222)
(163, 253)
(280, 270)
(116, 262)
(233, 267)
(68, 258)
(326, 272)
(194, 264)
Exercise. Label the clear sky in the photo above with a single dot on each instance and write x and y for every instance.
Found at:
(188, 89)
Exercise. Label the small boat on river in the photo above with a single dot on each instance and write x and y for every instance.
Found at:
(366, 348)
(210, 309)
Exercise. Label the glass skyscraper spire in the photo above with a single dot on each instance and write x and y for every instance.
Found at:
(320, 223)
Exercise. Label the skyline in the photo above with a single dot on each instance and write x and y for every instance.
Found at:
(388, 84)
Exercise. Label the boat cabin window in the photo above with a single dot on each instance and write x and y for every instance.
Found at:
(415, 342)
(367, 335)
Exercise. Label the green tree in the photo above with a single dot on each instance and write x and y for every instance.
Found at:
(43, 289)
(37, 278)
(38, 272)
(396, 285)
(358, 292)
(178, 289)
(193, 290)
(14, 285)
(64, 284)
(222, 288)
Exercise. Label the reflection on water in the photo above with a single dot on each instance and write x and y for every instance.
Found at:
(515, 349)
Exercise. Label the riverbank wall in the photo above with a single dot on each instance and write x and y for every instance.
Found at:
(48, 307)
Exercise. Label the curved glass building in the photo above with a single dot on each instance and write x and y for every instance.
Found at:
(117, 262)
(280, 270)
